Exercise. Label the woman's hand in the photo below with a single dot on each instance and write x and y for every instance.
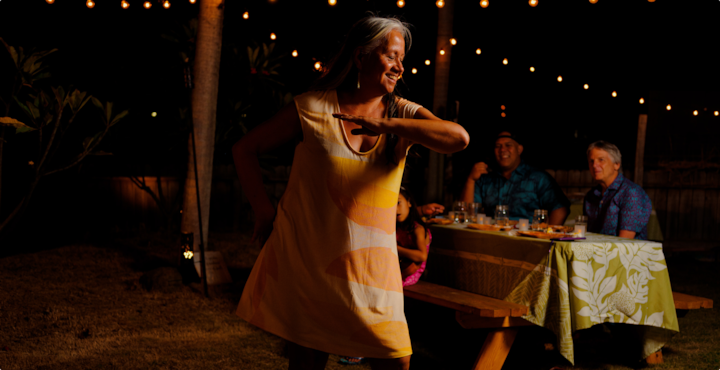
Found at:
(370, 126)
(263, 224)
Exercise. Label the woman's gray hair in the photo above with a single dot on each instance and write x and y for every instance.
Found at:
(611, 149)
(366, 34)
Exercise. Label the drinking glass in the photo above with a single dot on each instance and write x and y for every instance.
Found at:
(502, 215)
(540, 220)
(472, 211)
(460, 211)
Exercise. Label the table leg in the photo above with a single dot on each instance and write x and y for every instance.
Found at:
(655, 358)
(495, 349)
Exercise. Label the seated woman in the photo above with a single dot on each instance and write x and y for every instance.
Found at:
(616, 206)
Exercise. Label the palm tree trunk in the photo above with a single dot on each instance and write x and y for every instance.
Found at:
(204, 108)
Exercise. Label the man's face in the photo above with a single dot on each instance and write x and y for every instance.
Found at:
(601, 166)
(507, 153)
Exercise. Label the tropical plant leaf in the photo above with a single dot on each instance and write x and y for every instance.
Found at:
(19, 126)
(118, 117)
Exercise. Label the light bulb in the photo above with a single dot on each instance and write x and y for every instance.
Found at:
(651, 1)
(695, 113)
(427, 62)
(717, 113)
(593, 1)
(440, 3)
(668, 107)
(502, 114)
(478, 51)
(442, 51)
(318, 66)
(400, 3)
(294, 53)
(49, 1)
(505, 62)
(484, 3)
(332, 2)
(166, 4)
(614, 94)
(192, 1)
(533, 3)
(642, 101)
(453, 41)
(532, 69)
(272, 36)
(414, 71)
(502, 107)
(586, 86)
(124, 4)
(147, 5)
(90, 4)
(153, 114)
(559, 78)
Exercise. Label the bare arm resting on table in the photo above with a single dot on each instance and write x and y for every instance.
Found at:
(278, 130)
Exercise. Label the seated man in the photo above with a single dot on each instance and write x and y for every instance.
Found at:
(616, 206)
(516, 184)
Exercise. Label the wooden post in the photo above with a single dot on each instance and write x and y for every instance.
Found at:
(640, 149)
(436, 165)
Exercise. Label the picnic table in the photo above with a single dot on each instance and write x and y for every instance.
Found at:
(566, 285)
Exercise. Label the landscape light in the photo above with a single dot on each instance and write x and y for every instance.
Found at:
(532, 69)
(453, 41)
(478, 51)
(427, 62)
(642, 101)
(484, 3)
(400, 3)
(294, 53)
(440, 3)
(505, 62)
(90, 4)
(414, 71)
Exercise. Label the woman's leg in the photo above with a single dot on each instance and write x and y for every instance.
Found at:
(303, 358)
(402, 363)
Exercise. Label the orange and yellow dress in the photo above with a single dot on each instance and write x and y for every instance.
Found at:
(328, 277)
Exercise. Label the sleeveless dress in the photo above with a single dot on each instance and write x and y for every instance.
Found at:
(404, 239)
(328, 276)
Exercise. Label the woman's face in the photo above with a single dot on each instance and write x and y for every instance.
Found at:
(403, 208)
(382, 68)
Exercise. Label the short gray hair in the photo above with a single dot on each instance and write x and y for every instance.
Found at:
(366, 34)
(611, 149)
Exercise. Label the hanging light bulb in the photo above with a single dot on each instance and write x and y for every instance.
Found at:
(440, 3)
(586, 86)
(614, 94)
(502, 114)
(593, 1)
(668, 107)
(49, 1)
(246, 15)
(478, 51)
(90, 4)
(651, 1)
(427, 62)
(453, 41)
(294, 53)
(192, 1)
(717, 113)
(533, 3)
(502, 107)
(642, 101)
(484, 3)
(318, 66)
(166, 4)
(400, 3)
(332, 2)
(532, 69)
(414, 71)
(147, 5)
(695, 113)
(442, 51)
(124, 4)
(559, 78)
(505, 62)
(272, 36)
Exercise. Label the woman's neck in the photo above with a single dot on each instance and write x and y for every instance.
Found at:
(358, 100)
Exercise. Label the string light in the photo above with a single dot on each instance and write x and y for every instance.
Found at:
(559, 79)
(614, 94)
(442, 51)
(586, 86)
(502, 114)
(484, 3)
(294, 53)
(505, 62)
(246, 15)
(453, 41)
(192, 1)
(400, 3)
(532, 69)
(440, 3)
(717, 113)
(593, 1)
(427, 62)
(332, 2)
(502, 107)
(668, 107)
(642, 101)
(651, 1)
(49, 1)
(318, 66)
(414, 71)
(166, 4)
(478, 51)
(147, 4)
(533, 3)
(272, 36)
(153, 114)
(124, 4)
(90, 4)
(695, 113)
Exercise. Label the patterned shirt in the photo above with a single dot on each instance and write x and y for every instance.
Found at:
(527, 189)
(624, 206)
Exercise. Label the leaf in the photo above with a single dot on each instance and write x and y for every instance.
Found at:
(585, 311)
(607, 286)
(119, 117)
(580, 283)
(655, 319)
(100, 152)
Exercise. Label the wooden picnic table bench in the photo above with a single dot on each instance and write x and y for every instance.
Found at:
(475, 311)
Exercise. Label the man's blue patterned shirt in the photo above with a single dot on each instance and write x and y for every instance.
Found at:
(624, 206)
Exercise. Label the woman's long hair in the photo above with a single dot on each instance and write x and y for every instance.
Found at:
(341, 73)
(413, 216)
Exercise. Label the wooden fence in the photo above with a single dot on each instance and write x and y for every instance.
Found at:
(687, 202)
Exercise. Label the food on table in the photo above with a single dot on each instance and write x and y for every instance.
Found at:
(562, 229)
(440, 221)
(489, 227)
(544, 235)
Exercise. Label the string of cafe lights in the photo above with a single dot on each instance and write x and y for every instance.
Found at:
(318, 65)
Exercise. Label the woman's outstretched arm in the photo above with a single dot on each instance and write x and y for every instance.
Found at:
(424, 128)
(278, 130)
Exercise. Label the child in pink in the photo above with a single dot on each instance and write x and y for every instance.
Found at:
(413, 239)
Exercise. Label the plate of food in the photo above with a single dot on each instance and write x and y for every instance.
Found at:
(439, 221)
(489, 227)
(562, 229)
(545, 235)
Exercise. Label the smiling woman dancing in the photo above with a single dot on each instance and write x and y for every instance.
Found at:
(327, 278)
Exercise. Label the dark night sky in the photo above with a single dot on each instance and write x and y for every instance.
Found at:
(632, 47)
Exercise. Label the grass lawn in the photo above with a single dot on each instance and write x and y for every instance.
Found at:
(81, 306)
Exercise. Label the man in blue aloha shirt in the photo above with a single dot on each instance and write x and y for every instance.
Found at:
(521, 187)
(616, 206)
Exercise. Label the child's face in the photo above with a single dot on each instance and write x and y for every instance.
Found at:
(403, 208)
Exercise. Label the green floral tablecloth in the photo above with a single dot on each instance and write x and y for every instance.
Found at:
(568, 286)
